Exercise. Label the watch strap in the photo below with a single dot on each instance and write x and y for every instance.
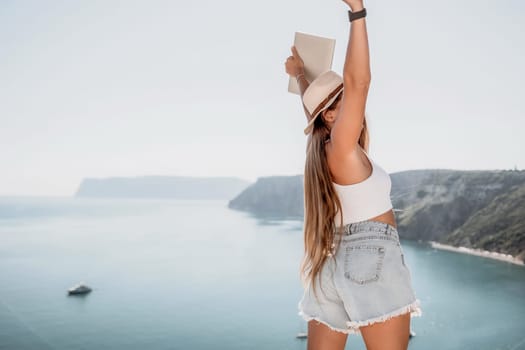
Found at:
(352, 16)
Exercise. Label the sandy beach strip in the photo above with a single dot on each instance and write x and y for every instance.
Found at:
(478, 252)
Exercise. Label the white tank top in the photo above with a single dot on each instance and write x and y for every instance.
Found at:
(366, 199)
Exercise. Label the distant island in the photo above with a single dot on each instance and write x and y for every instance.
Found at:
(179, 187)
(478, 210)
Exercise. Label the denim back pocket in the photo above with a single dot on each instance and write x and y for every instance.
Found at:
(363, 262)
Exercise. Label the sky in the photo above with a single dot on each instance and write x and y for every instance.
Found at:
(199, 88)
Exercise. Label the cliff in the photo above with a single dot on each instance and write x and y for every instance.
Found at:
(277, 196)
(474, 209)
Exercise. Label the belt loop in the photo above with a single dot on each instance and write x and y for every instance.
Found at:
(386, 229)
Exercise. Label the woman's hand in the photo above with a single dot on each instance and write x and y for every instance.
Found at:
(294, 63)
(355, 5)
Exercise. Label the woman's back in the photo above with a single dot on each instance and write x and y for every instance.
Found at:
(363, 187)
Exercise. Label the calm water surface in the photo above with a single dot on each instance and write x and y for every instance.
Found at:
(193, 274)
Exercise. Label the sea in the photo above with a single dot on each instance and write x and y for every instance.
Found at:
(194, 274)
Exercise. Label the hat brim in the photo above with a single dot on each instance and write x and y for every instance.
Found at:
(309, 127)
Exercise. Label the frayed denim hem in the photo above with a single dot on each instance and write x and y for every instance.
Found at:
(309, 318)
(414, 308)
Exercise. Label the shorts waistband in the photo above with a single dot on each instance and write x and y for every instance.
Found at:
(369, 226)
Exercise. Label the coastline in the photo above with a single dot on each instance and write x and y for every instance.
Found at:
(479, 252)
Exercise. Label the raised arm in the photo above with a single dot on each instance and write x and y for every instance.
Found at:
(295, 67)
(356, 81)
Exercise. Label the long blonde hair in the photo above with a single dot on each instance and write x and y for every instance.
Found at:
(321, 202)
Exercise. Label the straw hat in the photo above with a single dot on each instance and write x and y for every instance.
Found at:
(320, 94)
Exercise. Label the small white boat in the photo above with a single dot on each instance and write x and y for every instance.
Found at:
(80, 288)
(302, 335)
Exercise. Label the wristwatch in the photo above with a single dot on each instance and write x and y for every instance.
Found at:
(356, 15)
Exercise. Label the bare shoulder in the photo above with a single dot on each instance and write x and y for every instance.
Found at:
(348, 168)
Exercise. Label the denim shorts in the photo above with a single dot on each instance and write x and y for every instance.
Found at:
(365, 281)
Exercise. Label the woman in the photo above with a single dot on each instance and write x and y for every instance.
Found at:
(354, 273)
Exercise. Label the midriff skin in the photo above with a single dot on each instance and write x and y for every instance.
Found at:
(387, 217)
(361, 170)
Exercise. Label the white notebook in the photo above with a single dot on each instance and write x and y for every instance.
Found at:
(317, 53)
